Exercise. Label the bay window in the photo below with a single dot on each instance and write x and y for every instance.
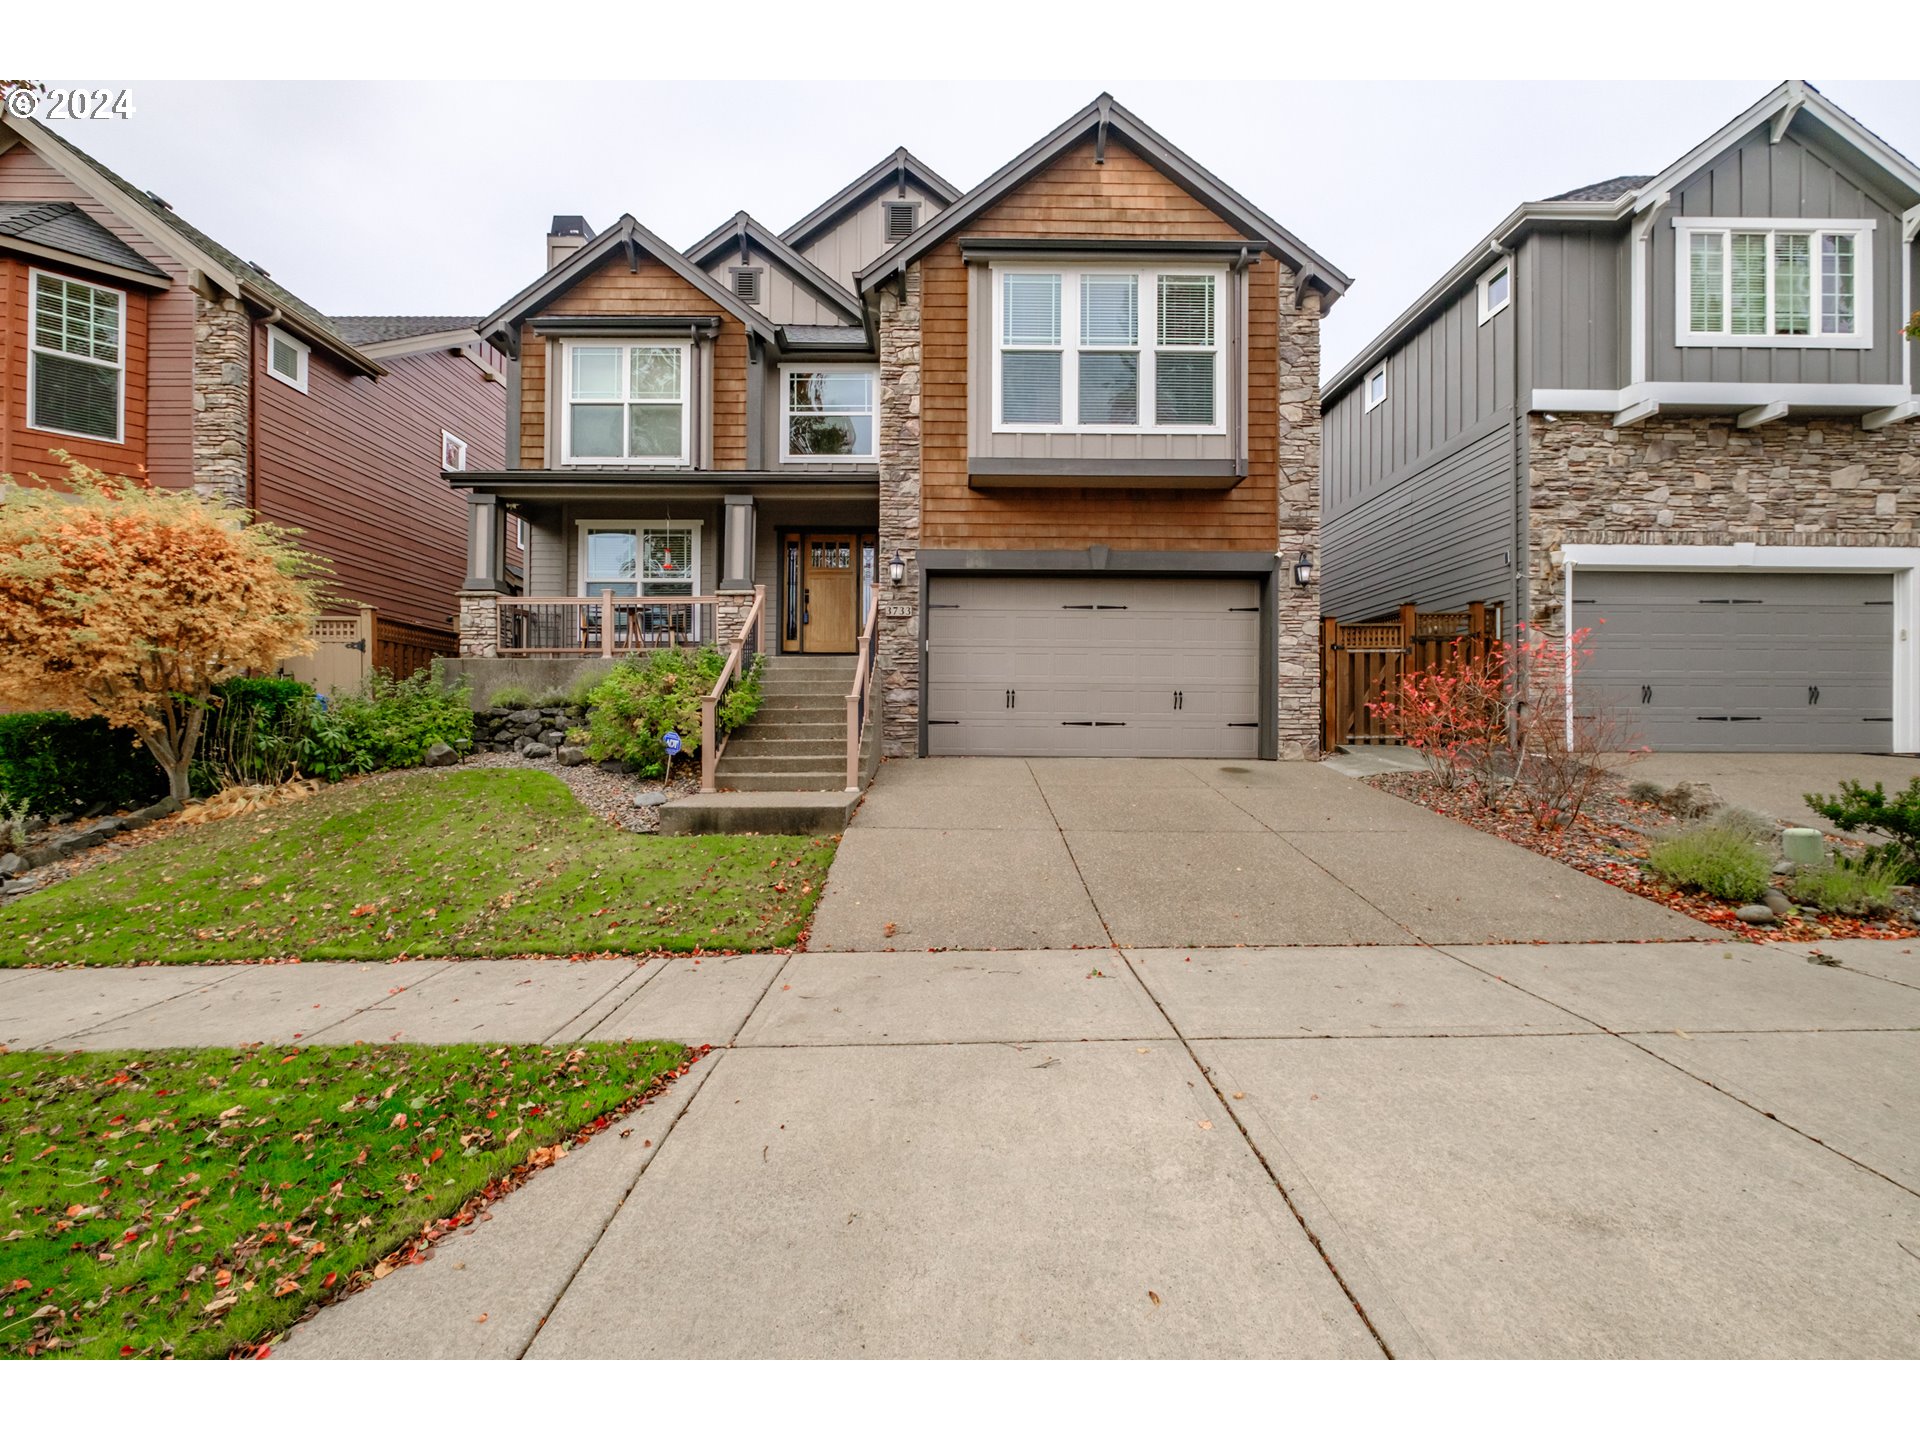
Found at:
(77, 374)
(1092, 349)
(627, 402)
(1750, 282)
(829, 413)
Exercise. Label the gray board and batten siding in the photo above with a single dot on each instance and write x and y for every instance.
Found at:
(1417, 494)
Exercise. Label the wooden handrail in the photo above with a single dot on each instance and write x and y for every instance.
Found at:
(857, 696)
(710, 706)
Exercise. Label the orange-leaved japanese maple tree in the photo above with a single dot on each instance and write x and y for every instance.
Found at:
(130, 602)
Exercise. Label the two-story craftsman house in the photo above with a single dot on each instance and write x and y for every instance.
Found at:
(1054, 439)
(1676, 411)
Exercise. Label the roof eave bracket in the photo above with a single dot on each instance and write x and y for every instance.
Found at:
(1796, 97)
(1103, 111)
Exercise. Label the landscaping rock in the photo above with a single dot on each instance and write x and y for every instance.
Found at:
(19, 887)
(537, 751)
(12, 864)
(1777, 902)
(650, 797)
(571, 755)
(1756, 915)
(1784, 867)
(524, 717)
(440, 753)
(615, 767)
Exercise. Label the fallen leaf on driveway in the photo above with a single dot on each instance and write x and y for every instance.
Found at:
(1206, 1124)
(1239, 1094)
(481, 1318)
(1153, 1297)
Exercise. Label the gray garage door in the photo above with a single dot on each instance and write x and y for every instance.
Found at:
(1737, 661)
(1093, 667)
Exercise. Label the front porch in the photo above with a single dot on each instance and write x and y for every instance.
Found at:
(758, 566)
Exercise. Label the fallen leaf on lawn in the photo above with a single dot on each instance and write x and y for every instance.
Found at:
(399, 1121)
(285, 1287)
(363, 910)
(225, 1302)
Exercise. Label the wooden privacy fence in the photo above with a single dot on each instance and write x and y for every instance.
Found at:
(349, 647)
(1363, 663)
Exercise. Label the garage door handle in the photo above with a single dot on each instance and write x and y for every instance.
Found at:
(1092, 724)
(1813, 694)
(1646, 694)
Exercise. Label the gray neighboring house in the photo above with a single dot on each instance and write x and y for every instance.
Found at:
(1678, 410)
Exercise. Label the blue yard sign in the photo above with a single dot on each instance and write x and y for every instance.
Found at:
(672, 741)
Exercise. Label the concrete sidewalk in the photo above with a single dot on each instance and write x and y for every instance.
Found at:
(1027, 854)
(1552, 1150)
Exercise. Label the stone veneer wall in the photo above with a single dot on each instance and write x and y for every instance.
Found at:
(479, 622)
(898, 639)
(1297, 668)
(221, 336)
(1697, 480)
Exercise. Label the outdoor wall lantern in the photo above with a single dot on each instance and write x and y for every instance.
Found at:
(896, 568)
(1302, 570)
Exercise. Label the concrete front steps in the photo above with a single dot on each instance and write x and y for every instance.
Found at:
(798, 741)
(785, 772)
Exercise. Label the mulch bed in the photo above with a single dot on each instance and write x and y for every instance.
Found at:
(1610, 840)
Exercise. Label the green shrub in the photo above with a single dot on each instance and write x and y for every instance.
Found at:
(54, 764)
(641, 699)
(389, 726)
(255, 731)
(1723, 863)
(1849, 887)
(1858, 808)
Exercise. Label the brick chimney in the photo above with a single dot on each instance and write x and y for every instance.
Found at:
(567, 234)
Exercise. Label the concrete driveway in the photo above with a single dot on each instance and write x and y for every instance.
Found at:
(1033, 854)
(1775, 784)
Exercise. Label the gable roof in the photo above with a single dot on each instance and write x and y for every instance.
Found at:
(1103, 117)
(61, 228)
(380, 329)
(1610, 202)
(629, 235)
(901, 165)
(744, 227)
(193, 248)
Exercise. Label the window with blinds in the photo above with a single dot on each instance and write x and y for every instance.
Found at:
(627, 402)
(76, 378)
(1745, 285)
(1108, 349)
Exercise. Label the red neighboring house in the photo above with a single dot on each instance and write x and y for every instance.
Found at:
(140, 345)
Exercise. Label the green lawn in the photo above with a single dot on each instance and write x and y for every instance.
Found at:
(482, 862)
(193, 1202)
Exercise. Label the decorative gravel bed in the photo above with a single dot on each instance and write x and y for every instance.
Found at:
(1610, 840)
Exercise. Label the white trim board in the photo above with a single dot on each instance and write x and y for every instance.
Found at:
(1901, 562)
(1733, 394)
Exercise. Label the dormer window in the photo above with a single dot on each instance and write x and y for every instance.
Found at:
(1100, 349)
(626, 402)
(1774, 283)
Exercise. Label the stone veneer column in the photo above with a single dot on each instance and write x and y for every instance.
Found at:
(1297, 665)
(898, 638)
(221, 332)
(1698, 480)
(479, 622)
(730, 614)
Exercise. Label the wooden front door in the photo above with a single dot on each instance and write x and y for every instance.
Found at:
(829, 593)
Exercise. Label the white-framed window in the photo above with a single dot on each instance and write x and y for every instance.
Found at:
(1496, 290)
(1092, 349)
(1774, 283)
(76, 359)
(453, 451)
(827, 412)
(1377, 388)
(287, 358)
(626, 401)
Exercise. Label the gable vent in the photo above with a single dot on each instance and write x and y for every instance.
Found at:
(900, 219)
(746, 284)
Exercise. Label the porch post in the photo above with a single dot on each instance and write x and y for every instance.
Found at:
(736, 569)
(486, 544)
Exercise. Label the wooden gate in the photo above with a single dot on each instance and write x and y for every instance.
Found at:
(348, 648)
(1363, 663)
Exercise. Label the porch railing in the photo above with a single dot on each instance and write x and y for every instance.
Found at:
(605, 624)
(862, 688)
(746, 649)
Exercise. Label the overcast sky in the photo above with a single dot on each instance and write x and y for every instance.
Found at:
(370, 198)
